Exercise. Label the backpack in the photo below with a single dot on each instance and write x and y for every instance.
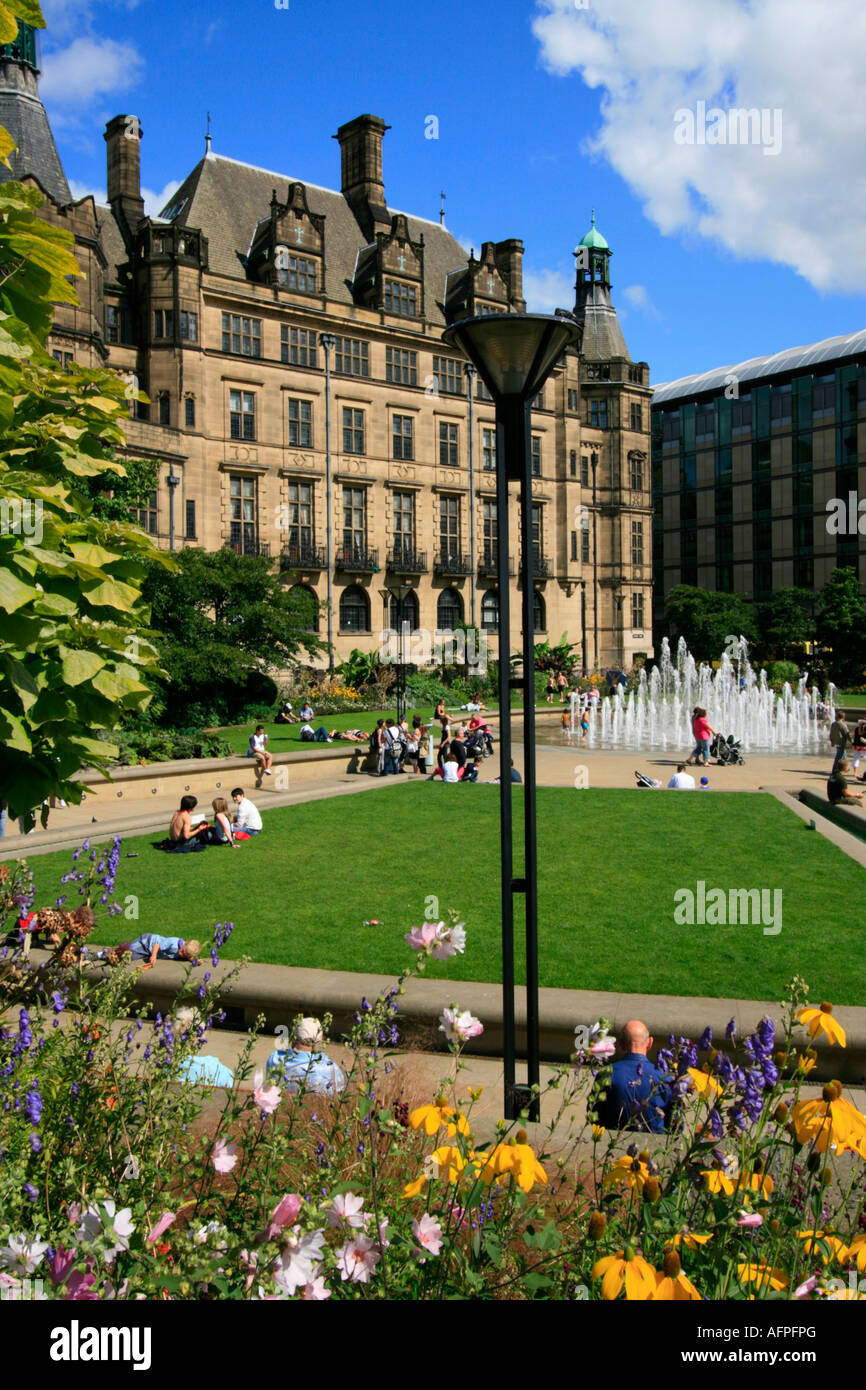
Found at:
(374, 741)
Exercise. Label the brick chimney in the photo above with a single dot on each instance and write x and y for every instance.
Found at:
(509, 263)
(123, 138)
(361, 171)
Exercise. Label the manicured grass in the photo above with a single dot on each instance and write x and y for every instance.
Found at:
(609, 865)
(286, 738)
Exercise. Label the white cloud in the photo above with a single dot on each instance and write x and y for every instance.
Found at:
(89, 69)
(638, 297)
(803, 206)
(155, 202)
(81, 190)
(546, 290)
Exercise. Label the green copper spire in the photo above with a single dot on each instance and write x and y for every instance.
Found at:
(594, 237)
(23, 48)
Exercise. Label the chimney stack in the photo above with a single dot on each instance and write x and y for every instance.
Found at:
(509, 263)
(362, 184)
(123, 138)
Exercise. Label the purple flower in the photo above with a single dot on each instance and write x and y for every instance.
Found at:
(705, 1041)
(30, 1191)
(57, 1002)
(731, 1031)
(33, 1105)
(35, 1142)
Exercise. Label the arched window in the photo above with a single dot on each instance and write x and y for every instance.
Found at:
(306, 607)
(538, 615)
(490, 610)
(354, 610)
(410, 611)
(449, 610)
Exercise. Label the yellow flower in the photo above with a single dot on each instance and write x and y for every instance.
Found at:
(822, 1021)
(717, 1181)
(433, 1117)
(857, 1252)
(704, 1083)
(762, 1275)
(475, 1092)
(511, 1158)
(679, 1289)
(807, 1062)
(689, 1238)
(757, 1182)
(598, 1133)
(838, 1248)
(625, 1267)
(830, 1122)
(446, 1163)
(633, 1171)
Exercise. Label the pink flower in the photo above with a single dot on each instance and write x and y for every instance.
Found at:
(267, 1098)
(161, 1226)
(428, 1234)
(750, 1219)
(224, 1156)
(423, 938)
(437, 940)
(805, 1289)
(459, 1027)
(316, 1291)
(299, 1260)
(357, 1259)
(605, 1047)
(349, 1208)
(283, 1215)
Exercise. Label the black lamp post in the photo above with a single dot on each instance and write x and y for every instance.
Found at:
(399, 592)
(514, 355)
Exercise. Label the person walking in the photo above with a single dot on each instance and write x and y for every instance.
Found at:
(551, 688)
(840, 737)
(704, 733)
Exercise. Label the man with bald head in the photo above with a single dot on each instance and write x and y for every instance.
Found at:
(637, 1095)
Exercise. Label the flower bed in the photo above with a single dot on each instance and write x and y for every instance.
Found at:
(120, 1180)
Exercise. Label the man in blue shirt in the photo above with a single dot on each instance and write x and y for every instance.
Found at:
(304, 1066)
(638, 1094)
(150, 947)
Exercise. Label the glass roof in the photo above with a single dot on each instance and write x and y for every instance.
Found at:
(756, 368)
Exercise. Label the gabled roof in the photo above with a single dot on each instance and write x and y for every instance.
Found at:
(23, 115)
(226, 199)
(754, 368)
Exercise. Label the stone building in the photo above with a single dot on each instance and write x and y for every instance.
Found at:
(257, 305)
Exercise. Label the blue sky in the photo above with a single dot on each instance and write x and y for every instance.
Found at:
(545, 110)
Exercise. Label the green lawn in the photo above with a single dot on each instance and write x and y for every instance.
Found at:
(609, 864)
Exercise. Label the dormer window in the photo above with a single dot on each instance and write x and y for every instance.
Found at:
(400, 299)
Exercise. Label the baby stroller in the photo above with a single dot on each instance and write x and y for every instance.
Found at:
(479, 743)
(644, 781)
(726, 751)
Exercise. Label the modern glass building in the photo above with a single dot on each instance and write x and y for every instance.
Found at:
(746, 463)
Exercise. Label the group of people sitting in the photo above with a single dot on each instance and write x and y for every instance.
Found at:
(849, 745)
(190, 831)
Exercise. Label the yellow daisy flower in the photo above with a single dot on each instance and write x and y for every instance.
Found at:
(838, 1248)
(625, 1268)
(671, 1284)
(830, 1122)
(434, 1117)
(857, 1252)
(704, 1084)
(822, 1021)
(633, 1171)
(762, 1275)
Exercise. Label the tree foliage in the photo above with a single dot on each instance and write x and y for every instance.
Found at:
(706, 620)
(74, 654)
(221, 623)
(842, 625)
(786, 620)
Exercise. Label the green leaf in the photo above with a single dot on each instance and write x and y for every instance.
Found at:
(13, 732)
(112, 594)
(20, 678)
(14, 594)
(79, 667)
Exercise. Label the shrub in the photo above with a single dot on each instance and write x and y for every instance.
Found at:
(781, 671)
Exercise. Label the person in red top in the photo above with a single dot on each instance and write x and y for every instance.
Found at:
(704, 733)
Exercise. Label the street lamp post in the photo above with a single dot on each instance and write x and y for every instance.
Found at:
(173, 482)
(471, 374)
(514, 354)
(399, 592)
(328, 342)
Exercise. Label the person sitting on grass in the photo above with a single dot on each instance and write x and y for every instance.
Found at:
(258, 749)
(307, 712)
(682, 781)
(151, 947)
(247, 816)
(222, 832)
(284, 714)
(837, 785)
(637, 1095)
(183, 837)
(304, 1066)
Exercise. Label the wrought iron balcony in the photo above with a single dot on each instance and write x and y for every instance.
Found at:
(447, 562)
(246, 545)
(303, 557)
(488, 563)
(542, 565)
(357, 559)
(405, 559)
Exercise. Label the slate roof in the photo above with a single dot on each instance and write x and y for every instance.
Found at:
(602, 335)
(776, 364)
(226, 199)
(23, 115)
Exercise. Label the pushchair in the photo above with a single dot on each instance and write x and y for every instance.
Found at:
(726, 751)
(644, 781)
(479, 743)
